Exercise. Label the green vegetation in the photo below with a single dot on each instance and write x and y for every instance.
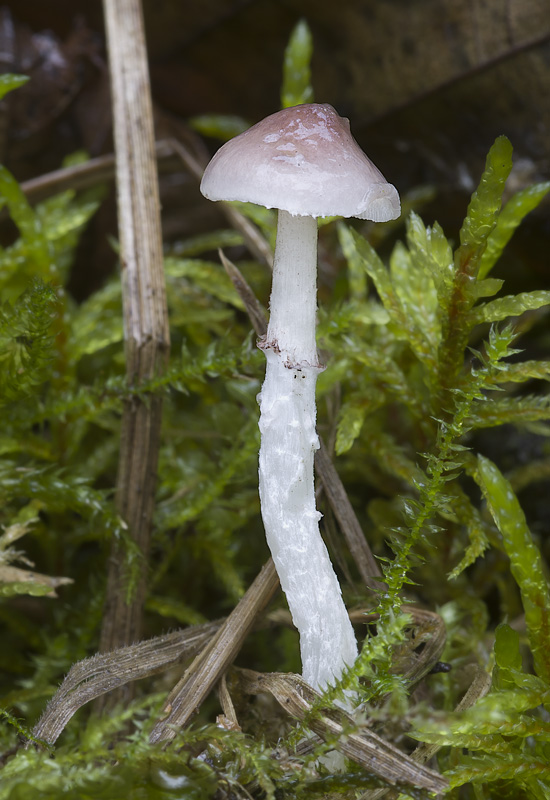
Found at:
(426, 380)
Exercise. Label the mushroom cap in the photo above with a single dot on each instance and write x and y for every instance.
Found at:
(303, 160)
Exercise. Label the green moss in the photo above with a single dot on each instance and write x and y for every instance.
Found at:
(424, 368)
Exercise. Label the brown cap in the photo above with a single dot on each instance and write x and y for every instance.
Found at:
(303, 160)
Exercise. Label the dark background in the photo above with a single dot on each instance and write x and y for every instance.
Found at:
(427, 84)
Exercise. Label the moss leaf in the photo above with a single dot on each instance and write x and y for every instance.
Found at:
(297, 87)
(508, 220)
(219, 126)
(10, 82)
(357, 276)
(510, 306)
(487, 199)
(525, 559)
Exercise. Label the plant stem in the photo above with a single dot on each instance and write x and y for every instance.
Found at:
(289, 442)
(145, 310)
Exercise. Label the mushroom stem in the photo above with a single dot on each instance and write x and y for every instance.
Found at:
(289, 441)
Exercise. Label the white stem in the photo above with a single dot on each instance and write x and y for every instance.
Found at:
(289, 441)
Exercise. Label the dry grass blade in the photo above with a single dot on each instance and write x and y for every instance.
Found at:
(332, 485)
(103, 673)
(335, 726)
(229, 718)
(209, 666)
(255, 310)
(146, 331)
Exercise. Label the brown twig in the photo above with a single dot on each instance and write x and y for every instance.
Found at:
(102, 168)
(146, 330)
(255, 310)
(347, 519)
(106, 672)
(83, 176)
(209, 666)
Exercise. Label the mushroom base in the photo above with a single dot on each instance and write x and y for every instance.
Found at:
(289, 441)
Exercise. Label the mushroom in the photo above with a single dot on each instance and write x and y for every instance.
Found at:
(304, 162)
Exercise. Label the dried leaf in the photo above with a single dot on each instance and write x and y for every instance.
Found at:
(102, 673)
(372, 752)
(14, 580)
